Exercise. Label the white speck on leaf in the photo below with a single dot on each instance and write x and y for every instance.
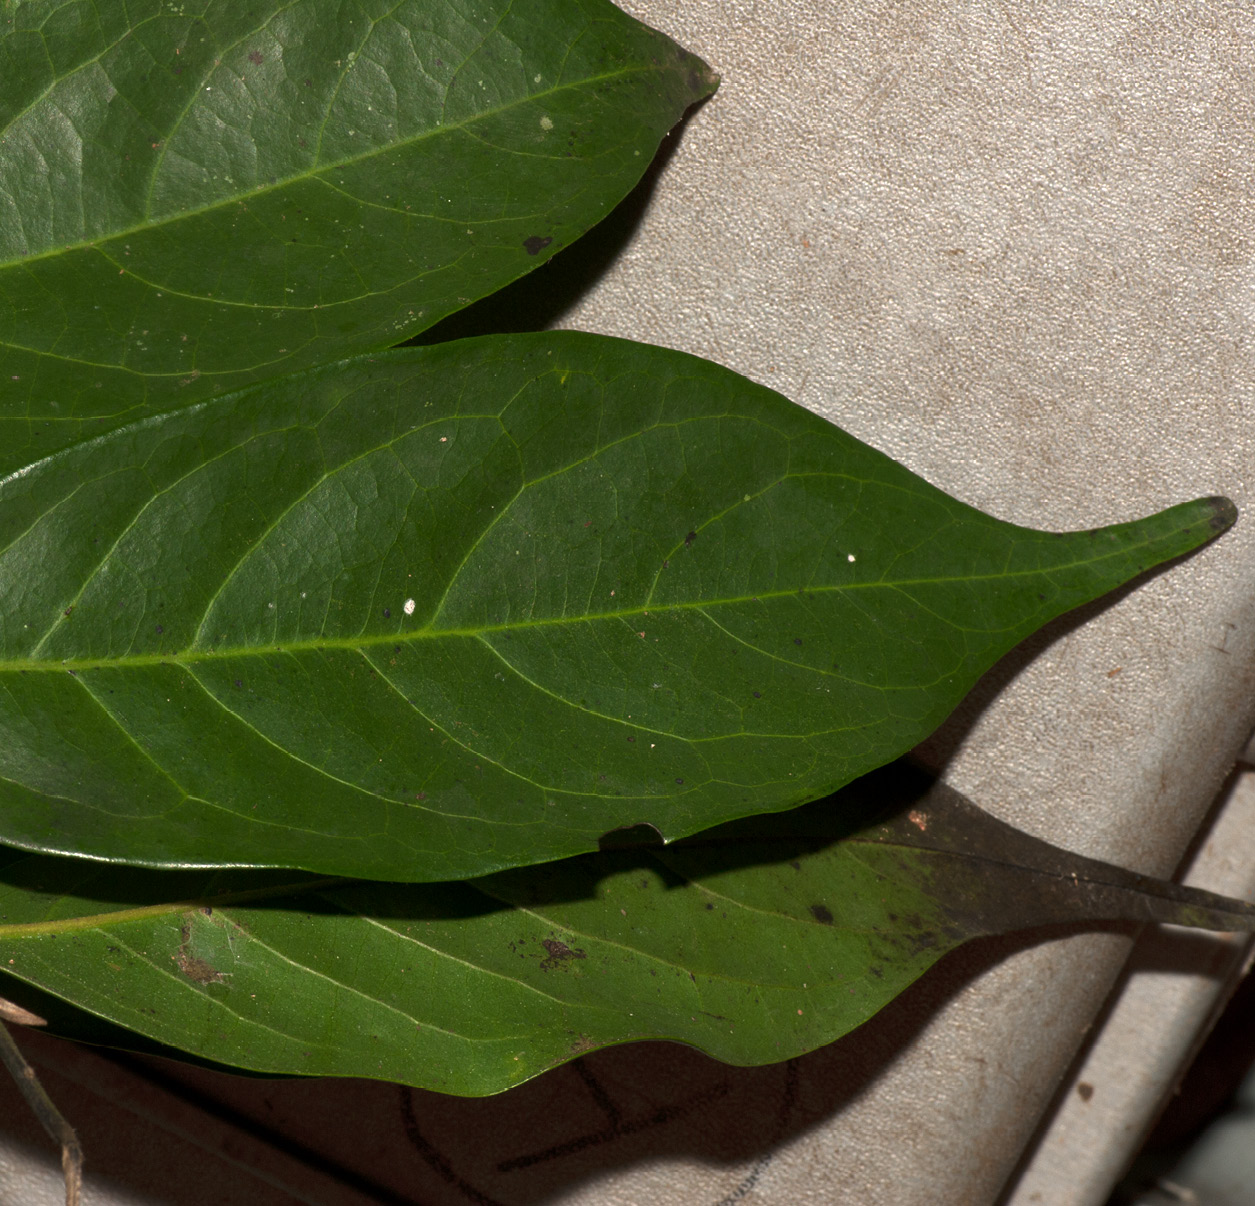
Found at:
(409, 607)
(546, 122)
(849, 557)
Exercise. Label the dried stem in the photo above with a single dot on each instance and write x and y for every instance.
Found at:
(47, 1113)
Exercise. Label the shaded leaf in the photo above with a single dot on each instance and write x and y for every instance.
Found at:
(443, 611)
(196, 196)
(755, 942)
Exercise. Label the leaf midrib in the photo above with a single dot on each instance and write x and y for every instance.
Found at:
(429, 633)
(315, 173)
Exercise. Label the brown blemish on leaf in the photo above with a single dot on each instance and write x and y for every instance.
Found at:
(535, 244)
(689, 539)
(821, 913)
(559, 953)
(918, 819)
(1084, 1090)
(254, 57)
(192, 967)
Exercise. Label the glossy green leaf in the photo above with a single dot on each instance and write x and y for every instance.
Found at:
(444, 611)
(755, 942)
(194, 196)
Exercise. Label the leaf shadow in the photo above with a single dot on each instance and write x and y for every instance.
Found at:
(622, 1106)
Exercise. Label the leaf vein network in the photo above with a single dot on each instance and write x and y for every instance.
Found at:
(443, 954)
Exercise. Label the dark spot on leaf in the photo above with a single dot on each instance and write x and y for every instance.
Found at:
(797, 640)
(711, 907)
(535, 244)
(631, 738)
(239, 682)
(689, 539)
(1084, 1090)
(160, 629)
(387, 613)
(1225, 513)
(197, 969)
(67, 611)
(666, 565)
(254, 57)
(795, 864)
(559, 953)
(679, 780)
(821, 913)
(758, 695)
(189, 965)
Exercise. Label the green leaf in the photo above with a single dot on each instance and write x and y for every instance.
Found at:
(196, 196)
(755, 942)
(447, 610)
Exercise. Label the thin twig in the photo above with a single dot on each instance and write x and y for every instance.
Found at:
(48, 1114)
(9, 1012)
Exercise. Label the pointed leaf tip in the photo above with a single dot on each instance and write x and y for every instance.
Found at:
(1224, 512)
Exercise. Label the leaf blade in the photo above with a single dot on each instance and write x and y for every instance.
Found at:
(441, 611)
(191, 202)
(755, 943)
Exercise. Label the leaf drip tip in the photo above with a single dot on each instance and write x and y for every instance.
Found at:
(1224, 512)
